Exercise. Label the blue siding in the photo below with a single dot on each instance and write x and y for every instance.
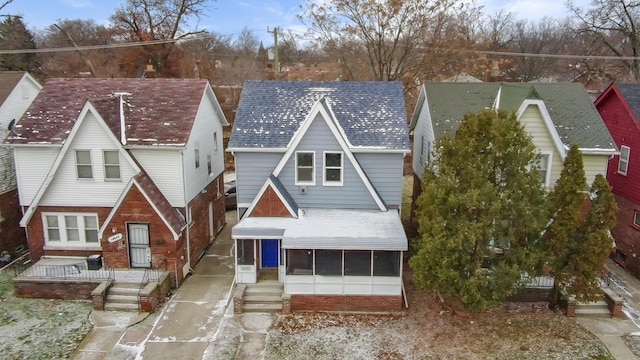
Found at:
(252, 171)
(385, 173)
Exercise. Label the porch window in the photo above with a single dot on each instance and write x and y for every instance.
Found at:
(111, 165)
(333, 168)
(246, 254)
(300, 262)
(329, 262)
(305, 173)
(386, 263)
(357, 263)
(623, 162)
(83, 164)
(71, 229)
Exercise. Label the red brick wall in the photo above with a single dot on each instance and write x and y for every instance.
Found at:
(270, 205)
(199, 232)
(346, 303)
(67, 290)
(11, 234)
(136, 209)
(625, 131)
(35, 233)
(627, 235)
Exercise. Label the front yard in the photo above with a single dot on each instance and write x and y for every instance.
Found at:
(40, 328)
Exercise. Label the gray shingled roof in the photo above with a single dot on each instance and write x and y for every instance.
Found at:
(371, 114)
(158, 111)
(571, 109)
(631, 94)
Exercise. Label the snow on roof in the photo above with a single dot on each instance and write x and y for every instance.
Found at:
(330, 229)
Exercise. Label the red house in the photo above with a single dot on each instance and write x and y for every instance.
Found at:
(619, 107)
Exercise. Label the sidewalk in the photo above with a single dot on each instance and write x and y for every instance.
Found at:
(189, 325)
(611, 330)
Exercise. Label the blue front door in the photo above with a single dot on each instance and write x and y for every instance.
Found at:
(269, 254)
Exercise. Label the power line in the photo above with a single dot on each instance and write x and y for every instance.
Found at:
(86, 47)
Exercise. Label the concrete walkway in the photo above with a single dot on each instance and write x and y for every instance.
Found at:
(195, 323)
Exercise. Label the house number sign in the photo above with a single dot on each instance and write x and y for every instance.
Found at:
(114, 238)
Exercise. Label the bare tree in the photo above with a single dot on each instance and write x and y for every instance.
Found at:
(611, 27)
(247, 43)
(385, 35)
(143, 20)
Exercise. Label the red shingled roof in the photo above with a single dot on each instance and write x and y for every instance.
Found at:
(157, 111)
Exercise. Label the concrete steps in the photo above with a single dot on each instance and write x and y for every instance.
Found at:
(593, 309)
(123, 297)
(265, 296)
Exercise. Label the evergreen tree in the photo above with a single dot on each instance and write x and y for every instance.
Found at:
(594, 243)
(14, 35)
(563, 212)
(480, 212)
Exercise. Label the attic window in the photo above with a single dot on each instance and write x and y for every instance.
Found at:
(83, 164)
(111, 165)
(623, 162)
(305, 170)
(333, 168)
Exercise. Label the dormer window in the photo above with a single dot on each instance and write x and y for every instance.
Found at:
(305, 169)
(333, 168)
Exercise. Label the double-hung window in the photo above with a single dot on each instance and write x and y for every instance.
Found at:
(544, 169)
(111, 165)
(623, 162)
(70, 229)
(305, 169)
(333, 168)
(83, 164)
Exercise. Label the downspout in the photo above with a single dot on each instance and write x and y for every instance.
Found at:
(187, 213)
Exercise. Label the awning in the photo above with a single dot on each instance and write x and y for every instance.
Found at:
(330, 229)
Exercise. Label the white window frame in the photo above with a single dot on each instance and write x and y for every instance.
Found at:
(624, 160)
(547, 176)
(90, 165)
(62, 230)
(313, 168)
(636, 218)
(108, 165)
(325, 167)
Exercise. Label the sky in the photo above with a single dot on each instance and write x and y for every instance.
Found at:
(231, 16)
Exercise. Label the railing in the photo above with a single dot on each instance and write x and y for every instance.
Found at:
(75, 271)
(151, 275)
(538, 282)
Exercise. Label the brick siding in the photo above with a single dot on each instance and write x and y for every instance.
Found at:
(346, 303)
(11, 234)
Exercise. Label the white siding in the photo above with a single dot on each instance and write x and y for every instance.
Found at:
(66, 189)
(32, 166)
(207, 123)
(12, 109)
(423, 131)
(164, 166)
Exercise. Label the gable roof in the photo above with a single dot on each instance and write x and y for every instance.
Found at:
(156, 111)
(169, 215)
(630, 94)
(370, 114)
(574, 117)
(9, 80)
(280, 191)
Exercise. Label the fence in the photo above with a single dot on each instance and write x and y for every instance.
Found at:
(75, 271)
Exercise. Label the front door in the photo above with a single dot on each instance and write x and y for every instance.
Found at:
(139, 245)
(269, 253)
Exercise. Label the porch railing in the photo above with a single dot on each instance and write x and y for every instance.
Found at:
(74, 271)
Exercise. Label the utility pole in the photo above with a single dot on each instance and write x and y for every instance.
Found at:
(276, 67)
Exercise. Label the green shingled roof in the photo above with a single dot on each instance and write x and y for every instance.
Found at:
(571, 109)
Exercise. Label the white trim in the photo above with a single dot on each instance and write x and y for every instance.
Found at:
(252, 150)
(549, 155)
(625, 161)
(547, 121)
(88, 107)
(319, 109)
(326, 182)
(312, 182)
